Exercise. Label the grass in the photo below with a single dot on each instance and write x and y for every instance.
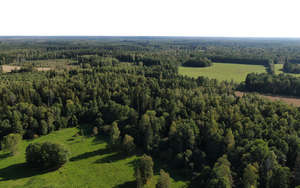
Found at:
(91, 166)
(223, 71)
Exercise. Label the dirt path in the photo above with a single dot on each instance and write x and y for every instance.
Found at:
(288, 100)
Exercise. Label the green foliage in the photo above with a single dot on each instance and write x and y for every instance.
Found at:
(46, 155)
(114, 135)
(11, 143)
(291, 68)
(281, 84)
(132, 87)
(144, 170)
(250, 176)
(163, 180)
(128, 145)
(221, 174)
(297, 169)
(229, 140)
(197, 62)
(280, 177)
(88, 166)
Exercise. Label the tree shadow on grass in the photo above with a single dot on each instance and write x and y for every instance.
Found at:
(18, 171)
(112, 158)
(128, 184)
(90, 154)
(5, 155)
(100, 139)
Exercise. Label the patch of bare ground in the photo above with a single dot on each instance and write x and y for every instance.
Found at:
(43, 68)
(9, 68)
(288, 100)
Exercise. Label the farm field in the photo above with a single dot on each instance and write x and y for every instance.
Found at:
(90, 165)
(223, 71)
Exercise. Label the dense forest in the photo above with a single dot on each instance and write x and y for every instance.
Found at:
(130, 89)
(272, 84)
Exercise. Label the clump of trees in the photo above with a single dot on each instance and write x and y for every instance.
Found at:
(164, 180)
(198, 62)
(291, 68)
(11, 143)
(46, 155)
(143, 170)
(273, 84)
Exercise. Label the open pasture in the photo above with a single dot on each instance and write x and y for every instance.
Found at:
(223, 71)
(91, 165)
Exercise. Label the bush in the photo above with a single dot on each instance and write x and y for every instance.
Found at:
(46, 155)
(11, 143)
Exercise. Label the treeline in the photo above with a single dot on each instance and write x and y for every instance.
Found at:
(198, 62)
(239, 60)
(291, 68)
(273, 84)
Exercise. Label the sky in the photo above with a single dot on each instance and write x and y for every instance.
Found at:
(222, 18)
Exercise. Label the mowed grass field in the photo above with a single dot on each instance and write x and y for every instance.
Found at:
(223, 71)
(91, 166)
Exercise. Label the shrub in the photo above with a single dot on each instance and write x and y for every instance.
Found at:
(11, 143)
(46, 155)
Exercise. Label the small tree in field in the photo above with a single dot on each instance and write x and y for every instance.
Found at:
(164, 180)
(11, 143)
(144, 169)
(46, 155)
(114, 136)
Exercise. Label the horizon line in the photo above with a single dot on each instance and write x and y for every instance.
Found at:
(158, 36)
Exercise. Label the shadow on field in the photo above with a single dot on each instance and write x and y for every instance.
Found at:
(112, 158)
(17, 171)
(5, 155)
(128, 184)
(100, 139)
(90, 154)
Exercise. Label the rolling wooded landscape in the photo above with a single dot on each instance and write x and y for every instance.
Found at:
(156, 112)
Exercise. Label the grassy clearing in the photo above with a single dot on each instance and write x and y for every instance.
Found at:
(223, 71)
(90, 166)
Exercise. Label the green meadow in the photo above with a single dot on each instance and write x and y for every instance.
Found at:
(91, 165)
(223, 71)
